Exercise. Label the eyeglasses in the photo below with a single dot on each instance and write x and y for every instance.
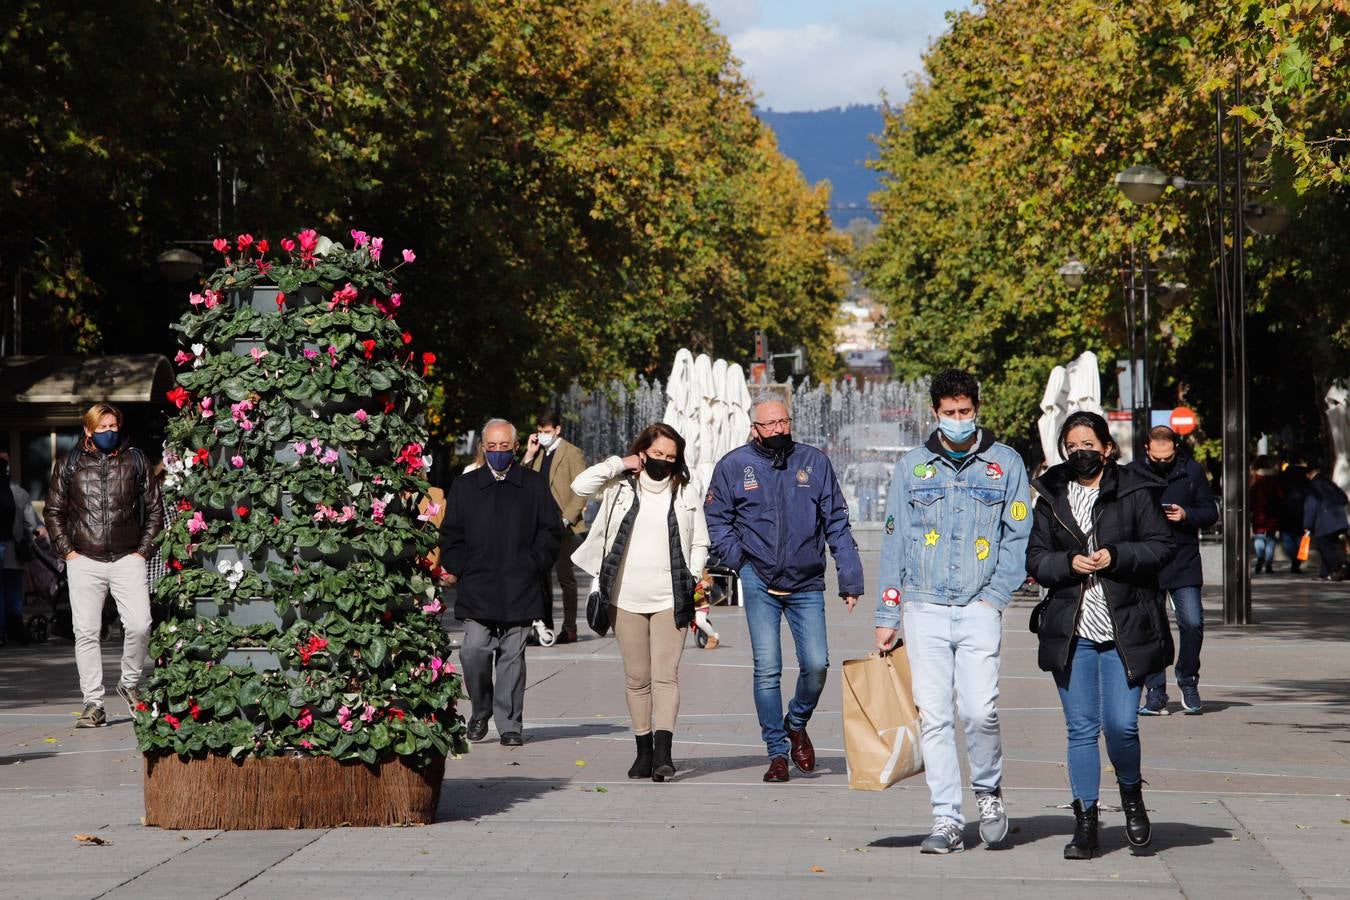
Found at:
(776, 423)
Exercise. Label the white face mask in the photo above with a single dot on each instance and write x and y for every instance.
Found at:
(547, 439)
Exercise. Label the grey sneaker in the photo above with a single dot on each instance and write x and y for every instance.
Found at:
(92, 717)
(1190, 699)
(993, 817)
(946, 837)
(131, 695)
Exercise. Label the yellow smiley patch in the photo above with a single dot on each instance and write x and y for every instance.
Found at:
(931, 538)
(1019, 510)
(981, 549)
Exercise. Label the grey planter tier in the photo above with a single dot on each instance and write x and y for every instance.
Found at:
(263, 298)
(259, 659)
(228, 553)
(253, 611)
(245, 344)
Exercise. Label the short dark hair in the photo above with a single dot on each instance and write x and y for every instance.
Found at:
(954, 383)
(550, 417)
(1092, 420)
(1164, 433)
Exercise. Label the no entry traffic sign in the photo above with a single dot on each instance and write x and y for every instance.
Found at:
(1183, 420)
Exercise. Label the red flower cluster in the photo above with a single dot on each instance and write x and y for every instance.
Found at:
(141, 707)
(411, 457)
(241, 512)
(368, 348)
(194, 710)
(179, 396)
(310, 647)
(428, 360)
(176, 565)
(172, 720)
(184, 506)
(202, 456)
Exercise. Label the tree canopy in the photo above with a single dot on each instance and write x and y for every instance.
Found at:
(585, 184)
(1000, 166)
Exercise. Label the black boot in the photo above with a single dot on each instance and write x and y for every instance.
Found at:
(642, 766)
(662, 766)
(1137, 826)
(1084, 842)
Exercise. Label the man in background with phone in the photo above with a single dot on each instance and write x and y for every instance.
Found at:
(559, 462)
(1188, 503)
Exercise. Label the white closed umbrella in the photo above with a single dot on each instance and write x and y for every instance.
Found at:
(736, 403)
(1054, 410)
(1085, 384)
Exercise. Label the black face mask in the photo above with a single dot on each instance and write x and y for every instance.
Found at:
(778, 445)
(658, 469)
(1162, 467)
(1086, 463)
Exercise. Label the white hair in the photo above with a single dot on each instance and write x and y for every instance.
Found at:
(492, 423)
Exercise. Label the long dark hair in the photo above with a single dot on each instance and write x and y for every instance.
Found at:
(1100, 430)
(679, 476)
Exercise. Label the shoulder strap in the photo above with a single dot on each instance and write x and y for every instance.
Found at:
(68, 467)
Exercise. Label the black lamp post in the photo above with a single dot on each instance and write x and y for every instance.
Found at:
(1145, 184)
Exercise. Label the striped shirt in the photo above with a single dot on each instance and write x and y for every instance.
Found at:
(1094, 622)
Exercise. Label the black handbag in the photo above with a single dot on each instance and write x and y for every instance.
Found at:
(597, 613)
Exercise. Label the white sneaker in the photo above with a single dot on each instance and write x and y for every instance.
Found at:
(947, 837)
(993, 817)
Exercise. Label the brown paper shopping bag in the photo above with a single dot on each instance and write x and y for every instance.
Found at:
(881, 722)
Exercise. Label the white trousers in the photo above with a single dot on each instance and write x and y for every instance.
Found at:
(954, 659)
(90, 582)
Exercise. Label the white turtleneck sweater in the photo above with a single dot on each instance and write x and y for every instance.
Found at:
(643, 582)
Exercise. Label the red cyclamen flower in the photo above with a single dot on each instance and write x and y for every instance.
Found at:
(221, 245)
(368, 347)
(428, 360)
(178, 396)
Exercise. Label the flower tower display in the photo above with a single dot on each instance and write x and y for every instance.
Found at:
(303, 676)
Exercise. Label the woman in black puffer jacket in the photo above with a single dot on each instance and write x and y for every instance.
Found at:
(1097, 545)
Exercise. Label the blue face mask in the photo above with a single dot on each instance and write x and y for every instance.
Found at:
(957, 431)
(500, 460)
(107, 441)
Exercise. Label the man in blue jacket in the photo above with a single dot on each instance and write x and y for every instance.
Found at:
(1188, 503)
(958, 518)
(772, 507)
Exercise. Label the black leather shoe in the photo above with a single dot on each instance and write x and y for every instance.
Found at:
(512, 739)
(1137, 827)
(566, 637)
(1084, 843)
(476, 731)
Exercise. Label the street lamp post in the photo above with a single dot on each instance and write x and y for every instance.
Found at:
(1144, 185)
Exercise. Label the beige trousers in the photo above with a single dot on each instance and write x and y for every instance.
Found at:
(90, 582)
(651, 647)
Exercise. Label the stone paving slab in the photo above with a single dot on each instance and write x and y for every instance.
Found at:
(1249, 799)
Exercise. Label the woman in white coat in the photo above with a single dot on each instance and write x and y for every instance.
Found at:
(648, 546)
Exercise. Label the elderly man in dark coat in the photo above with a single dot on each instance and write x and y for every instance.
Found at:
(499, 537)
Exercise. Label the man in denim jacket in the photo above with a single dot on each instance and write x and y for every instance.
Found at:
(957, 522)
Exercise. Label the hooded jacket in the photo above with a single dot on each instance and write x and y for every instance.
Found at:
(1186, 486)
(1130, 525)
(778, 519)
(956, 530)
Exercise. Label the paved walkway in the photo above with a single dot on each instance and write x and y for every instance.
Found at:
(1249, 800)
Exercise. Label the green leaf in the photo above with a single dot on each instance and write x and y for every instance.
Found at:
(375, 652)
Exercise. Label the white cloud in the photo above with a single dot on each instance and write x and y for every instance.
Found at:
(849, 53)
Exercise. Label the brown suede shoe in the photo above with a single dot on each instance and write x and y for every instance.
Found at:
(778, 770)
(803, 753)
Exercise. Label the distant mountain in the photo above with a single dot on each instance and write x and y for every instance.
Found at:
(833, 144)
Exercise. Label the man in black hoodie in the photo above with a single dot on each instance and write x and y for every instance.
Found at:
(1188, 503)
(499, 537)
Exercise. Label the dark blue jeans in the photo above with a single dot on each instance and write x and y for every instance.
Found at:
(1098, 699)
(1191, 625)
(764, 614)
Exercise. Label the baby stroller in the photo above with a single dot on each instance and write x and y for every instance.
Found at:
(51, 591)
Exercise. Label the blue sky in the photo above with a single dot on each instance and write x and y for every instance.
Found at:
(814, 54)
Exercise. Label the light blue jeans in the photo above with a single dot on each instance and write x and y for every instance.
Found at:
(764, 614)
(1097, 699)
(954, 656)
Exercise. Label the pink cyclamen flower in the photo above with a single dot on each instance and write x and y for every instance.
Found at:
(310, 353)
(332, 355)
(221, 245)
(237, 461)
(329, 457)
(395, 300)
(306, 719)
(314, 444)
(359, 238)
(345, 718)
(409, 256)
(344, 295)
(287, 244)
(376, 248)
(433, 608)
(197, 524)
(300, 447)
(309, 239)
(377, 508)
(212, 298)
(257, 354)
(182, 356)
(348, 513)
(361, 415)
(244, 241)
(304, 742)
(196, 299)
(205, 405)
(368, 713)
